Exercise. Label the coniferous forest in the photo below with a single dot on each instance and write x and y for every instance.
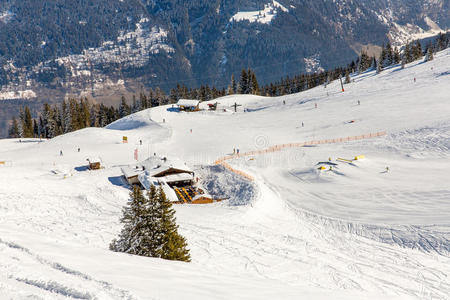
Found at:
(73, 114)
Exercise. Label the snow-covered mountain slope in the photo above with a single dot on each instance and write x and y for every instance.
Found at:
(352, 232)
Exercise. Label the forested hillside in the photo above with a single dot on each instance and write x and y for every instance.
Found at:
(100, 49)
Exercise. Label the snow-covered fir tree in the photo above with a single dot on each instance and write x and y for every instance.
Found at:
(429, 53)
(347, 77)
(149, 227)
(174, 246)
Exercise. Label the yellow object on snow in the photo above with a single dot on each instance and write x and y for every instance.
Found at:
(322, 168)
(360, 157)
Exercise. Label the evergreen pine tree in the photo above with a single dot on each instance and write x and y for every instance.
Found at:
(417, 51)
(383, 56)
(14, 130)
(243, 83)
(27, 123)
(374, 64)
(253, 82)
(21, 123)
(135, 105)
(397, 57)
(379, 67)
(149, 227)
(174, 246)
(407, 54)
(35, 129)
(429, 53)
(347, 77)
(403, 62)
(389, 55)
(233, 84)
(85, 113)
(132, 213)
(123, 107)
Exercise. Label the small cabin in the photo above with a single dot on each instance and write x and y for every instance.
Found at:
(94, 163)
(188, 105)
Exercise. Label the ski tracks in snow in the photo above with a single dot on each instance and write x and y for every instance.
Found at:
(36, 276)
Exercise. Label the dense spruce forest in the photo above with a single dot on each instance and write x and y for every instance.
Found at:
(74, 114)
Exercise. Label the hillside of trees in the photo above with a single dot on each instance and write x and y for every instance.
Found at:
(74, 114)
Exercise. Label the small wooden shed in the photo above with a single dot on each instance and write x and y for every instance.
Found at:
(94, 163)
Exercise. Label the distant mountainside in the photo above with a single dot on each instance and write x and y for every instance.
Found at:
(104, 48)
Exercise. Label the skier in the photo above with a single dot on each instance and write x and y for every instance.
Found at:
(315, 105)
(284, 102)
(237, 151)
(359, 103)
(78, 149)
(303, 124)
(414, 79)
(387, 169)
(234, 151)
(140, 141)
(60, 153)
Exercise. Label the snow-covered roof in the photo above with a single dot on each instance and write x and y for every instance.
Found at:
(155, 165)
(188, 103)
(147, 181)
(93, 159)
(130, 171)
(178, 177)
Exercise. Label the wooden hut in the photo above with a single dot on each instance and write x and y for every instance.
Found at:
(94, 163)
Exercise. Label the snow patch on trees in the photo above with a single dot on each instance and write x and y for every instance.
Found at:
(313, 64)
(263, 16)
(13, 95)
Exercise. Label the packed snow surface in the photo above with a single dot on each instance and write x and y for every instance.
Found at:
(374, 228)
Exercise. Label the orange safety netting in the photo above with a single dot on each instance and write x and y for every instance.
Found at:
(221, 161)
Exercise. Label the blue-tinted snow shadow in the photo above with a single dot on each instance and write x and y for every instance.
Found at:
(118, 181)
(81, 168)
(126, 125)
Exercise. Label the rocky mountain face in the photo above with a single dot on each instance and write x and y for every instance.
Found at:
(105, 48)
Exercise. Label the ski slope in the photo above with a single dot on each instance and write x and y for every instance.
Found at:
(356, 231)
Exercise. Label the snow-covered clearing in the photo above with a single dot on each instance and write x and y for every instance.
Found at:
(263, 16)
(357, 231)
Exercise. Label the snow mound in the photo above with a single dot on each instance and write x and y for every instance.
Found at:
(221, 183)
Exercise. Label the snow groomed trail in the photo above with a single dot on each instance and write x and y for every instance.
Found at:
(353, 231)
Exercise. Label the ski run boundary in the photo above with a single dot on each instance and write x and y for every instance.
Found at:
(276, 148)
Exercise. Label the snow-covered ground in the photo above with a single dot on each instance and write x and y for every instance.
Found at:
(263, 16)
(352, 232)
